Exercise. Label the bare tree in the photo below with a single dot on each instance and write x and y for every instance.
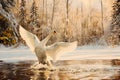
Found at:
(46, 13)
(67, 11)
(53, 12)
(43, 8)
(82, 28)
(68, 28)
(66, 34)
(102, 14)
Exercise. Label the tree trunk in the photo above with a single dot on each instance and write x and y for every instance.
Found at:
(102, 20)
(53, 12)
(46, 12)
(43, 10)
(67, 11)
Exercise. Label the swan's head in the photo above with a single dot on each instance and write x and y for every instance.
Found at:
(53, 32)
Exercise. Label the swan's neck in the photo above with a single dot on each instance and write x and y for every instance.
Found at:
(44, 41)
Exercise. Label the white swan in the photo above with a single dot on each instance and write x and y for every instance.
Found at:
(46, 53)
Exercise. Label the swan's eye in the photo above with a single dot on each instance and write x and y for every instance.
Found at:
(54, 31)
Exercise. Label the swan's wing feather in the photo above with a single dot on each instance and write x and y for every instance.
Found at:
(59, 48)
(30, 39)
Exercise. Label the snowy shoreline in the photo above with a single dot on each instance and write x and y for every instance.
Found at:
(86, 52)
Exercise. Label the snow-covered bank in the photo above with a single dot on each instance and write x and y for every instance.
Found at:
(93, 52)
(86, 52)
(16, 54)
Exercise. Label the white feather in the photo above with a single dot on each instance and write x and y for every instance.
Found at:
(30, 39)
(59, 48)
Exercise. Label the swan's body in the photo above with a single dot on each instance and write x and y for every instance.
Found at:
(46, 53)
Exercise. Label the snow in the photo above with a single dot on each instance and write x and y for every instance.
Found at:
(23, 53)
(93, 52)
(16, 54)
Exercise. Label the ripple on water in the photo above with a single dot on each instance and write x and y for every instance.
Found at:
(65, 70)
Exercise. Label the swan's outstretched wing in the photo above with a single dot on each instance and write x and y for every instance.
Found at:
(30, 39)
(59, 48)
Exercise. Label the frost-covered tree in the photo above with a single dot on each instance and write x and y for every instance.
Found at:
(115, 25)
(7, 4)
(35, 21)
(23, 14)
(34, 17)
(8, 24)
(116, 14)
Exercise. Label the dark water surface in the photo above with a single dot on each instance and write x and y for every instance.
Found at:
(65, 70)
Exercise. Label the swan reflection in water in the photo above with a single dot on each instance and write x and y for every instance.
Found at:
(40, 75)
(77, 70)
(50, 75)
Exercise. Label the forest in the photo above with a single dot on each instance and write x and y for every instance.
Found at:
(92, 22)
(77, 40)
